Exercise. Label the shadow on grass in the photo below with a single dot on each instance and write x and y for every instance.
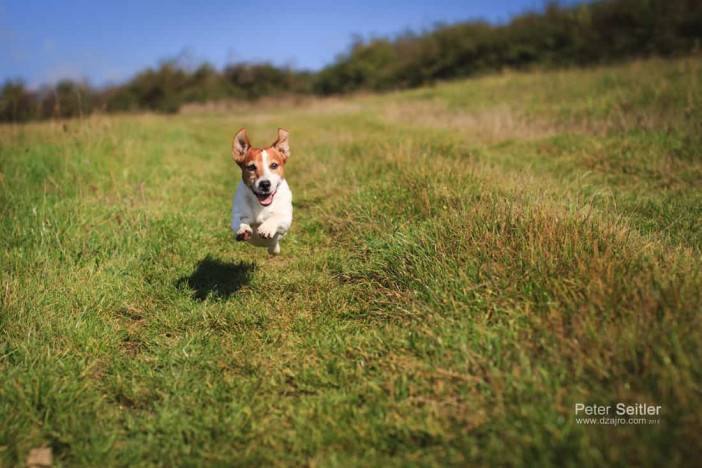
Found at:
(213, 277)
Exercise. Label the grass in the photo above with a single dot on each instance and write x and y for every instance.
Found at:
(467, 262)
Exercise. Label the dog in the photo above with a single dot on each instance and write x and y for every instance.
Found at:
(262, 207)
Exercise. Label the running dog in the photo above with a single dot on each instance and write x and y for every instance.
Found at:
(262, 207)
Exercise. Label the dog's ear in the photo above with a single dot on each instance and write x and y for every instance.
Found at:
(282, 143)
(240, 146)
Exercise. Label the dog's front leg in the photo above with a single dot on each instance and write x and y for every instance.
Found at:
(268, 228)
(242, 217)
(244, 232)
(276, 224)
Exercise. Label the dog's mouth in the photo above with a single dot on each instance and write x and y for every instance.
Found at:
(265, 199)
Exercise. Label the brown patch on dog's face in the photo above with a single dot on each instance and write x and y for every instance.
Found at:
(276, 162)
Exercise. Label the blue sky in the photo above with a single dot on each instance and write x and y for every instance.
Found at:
(108, 41)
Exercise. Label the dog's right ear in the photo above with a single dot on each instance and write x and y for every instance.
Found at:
(240, 146)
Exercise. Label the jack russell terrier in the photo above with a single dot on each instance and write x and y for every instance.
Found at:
(262, 208)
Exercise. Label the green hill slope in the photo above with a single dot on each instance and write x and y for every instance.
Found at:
(467, 263)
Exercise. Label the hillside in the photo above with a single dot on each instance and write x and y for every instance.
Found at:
(467, 263)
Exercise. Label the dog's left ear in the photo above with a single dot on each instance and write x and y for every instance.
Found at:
(282, 143)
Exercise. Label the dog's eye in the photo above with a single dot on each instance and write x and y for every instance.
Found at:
(274, 166)
(251, 167)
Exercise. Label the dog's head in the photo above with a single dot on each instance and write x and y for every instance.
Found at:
(262, 169)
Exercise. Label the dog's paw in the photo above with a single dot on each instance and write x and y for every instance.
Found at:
(244, 233)
(267, 230)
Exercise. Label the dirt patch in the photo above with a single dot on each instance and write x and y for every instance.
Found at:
(40, 457)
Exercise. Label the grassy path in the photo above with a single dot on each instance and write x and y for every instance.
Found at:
(467, 262)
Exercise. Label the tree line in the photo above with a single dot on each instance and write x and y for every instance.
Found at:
(601, 31)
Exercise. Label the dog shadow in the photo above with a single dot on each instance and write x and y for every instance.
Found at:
(217, 279)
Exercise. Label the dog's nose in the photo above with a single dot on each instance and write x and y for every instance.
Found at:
(264, 185)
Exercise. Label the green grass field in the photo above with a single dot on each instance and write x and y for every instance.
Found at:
(467, 262)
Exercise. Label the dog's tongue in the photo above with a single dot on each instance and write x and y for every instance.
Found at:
(266, 201)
